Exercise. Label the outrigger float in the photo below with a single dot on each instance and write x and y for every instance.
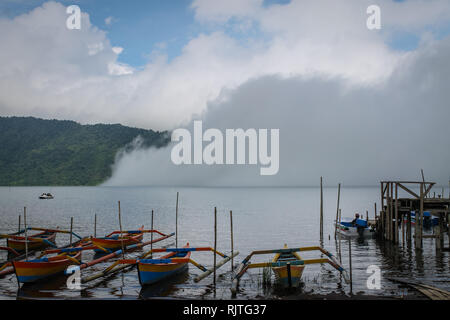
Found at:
(287, 265)
(151, 271)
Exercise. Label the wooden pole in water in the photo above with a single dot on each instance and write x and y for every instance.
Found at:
(340, 255)
(176, 224)
(95, 226)
(423, 177)
(215, 243)
(71, 229)
(375, 207)
(367, 216)
(151, 238)
(337, 210)
(350, 264)
(121, 234)
(18, 231)
(321, 209)
(232, 241)
(26, 233)
(396, 214)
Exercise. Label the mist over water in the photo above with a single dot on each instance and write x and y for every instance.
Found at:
(354, 134)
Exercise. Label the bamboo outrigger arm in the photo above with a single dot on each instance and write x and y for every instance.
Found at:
(245, 264)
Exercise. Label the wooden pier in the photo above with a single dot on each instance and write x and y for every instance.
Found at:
(396, 212)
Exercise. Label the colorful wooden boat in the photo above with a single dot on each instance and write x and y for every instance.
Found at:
(359, 229)
(288, 275)
(150, 272)
(114, 240)
(38, 269)
(35, 241)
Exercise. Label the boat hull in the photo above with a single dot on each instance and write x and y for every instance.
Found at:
(150, 273)
(354, 232)
(18, 243)
(113, 244)
(36, 270)
(282, 275)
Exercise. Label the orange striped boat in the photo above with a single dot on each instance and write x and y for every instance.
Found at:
(38, 269)
(113, 241)
(35, 241)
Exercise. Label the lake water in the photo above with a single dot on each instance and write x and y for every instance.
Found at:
(263, 218)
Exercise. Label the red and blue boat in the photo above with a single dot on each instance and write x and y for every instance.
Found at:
(38, 269)
(151, 271)
(116, 239)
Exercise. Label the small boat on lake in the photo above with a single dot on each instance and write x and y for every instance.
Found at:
(39, 240)
(38, 269)
(116, 239)
(46, 196)
(288, 275)
(355, 228)
(150, 273)
(428, 220)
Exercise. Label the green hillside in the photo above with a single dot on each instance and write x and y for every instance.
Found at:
(37, 152)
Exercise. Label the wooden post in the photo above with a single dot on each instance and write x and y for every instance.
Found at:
(375, 207)
(215, 243)
(423, 177)
(151, 237)
(337, 210)
(26, 233)
(388, 212)
(396, 214)
(121, 234)
(350, 264)
(95, 226)
(232, 241)
(71, 230)
(419, 220)
(176, 224)
(321, 209)
(408, 226)
(367, 216)
(18, 231)
(340, 256)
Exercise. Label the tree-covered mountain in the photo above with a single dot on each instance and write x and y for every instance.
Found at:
(37, 152)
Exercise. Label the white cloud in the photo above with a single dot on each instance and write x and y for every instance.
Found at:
(49, 71)
(109, 20)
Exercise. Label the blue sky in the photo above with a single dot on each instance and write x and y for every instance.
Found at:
(141, 26)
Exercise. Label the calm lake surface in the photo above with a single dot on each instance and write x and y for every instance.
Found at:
(263, 218)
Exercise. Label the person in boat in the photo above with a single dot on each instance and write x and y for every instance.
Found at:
(356, 219)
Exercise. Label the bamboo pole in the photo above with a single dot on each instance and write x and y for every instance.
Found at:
(232, 240)
(321, 209)
(350, 264)
(221, 263)
(340, 218)
(18, 231)
(151, 237)
(95, 225)
(423, 177)
(176, 224)
(215, 243)
(396, 214)
(26, 233)
(71, 229)
(121, 234)
(367, 216)
(337, 210)
(375, 207)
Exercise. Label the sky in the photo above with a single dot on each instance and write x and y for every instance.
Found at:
(334, 88)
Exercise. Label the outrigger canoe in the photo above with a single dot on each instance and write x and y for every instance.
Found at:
(113, 241)
(288, 275)
(35, 241)
(150, 273)
(38, 269)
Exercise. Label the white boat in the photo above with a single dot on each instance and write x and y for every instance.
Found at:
(46, 196)
(359, 229)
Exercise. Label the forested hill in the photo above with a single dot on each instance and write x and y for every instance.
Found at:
(37, 152)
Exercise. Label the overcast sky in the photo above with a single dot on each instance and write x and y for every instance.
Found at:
(352, 104)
